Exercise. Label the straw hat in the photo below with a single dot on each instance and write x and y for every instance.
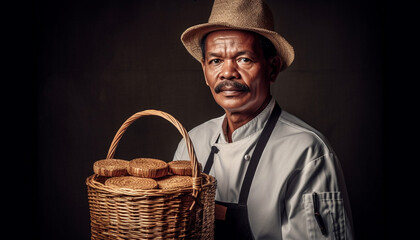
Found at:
(249, 15)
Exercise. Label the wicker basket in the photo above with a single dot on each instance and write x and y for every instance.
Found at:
(157, 213)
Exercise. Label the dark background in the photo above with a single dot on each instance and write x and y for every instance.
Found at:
(95, 63)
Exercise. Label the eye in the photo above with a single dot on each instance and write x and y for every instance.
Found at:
(244, 60)
(215, 61)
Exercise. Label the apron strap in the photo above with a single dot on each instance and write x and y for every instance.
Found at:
(210, 159)
(253, 163)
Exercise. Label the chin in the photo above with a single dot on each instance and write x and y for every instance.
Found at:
(233, 104)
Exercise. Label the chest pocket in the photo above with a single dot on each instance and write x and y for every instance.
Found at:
(330, 222)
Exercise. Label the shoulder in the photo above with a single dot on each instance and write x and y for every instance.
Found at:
(294, 133)
(202, 136)
(207, 130)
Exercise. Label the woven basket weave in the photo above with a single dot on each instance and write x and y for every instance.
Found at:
(186, 213)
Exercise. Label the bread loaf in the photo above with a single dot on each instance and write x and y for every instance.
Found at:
(180, 167)
(110, 167)
(130, 182)
(174, 181)
(147, 168)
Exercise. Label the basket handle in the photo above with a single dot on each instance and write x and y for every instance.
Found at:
(196, 179)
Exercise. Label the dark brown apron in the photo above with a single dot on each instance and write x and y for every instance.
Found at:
(232, 218)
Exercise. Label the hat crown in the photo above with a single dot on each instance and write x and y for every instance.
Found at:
(242, 13)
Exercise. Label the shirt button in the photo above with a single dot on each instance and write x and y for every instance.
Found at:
(247, 157)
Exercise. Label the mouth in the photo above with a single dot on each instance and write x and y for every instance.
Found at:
(231, 88)
(232, 94)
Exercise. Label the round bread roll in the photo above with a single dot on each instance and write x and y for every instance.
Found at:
(181, 167)
(130, 182)
(110, 167)
(174, 181)
(147, 168)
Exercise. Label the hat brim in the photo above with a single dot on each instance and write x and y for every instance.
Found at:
(191, 39)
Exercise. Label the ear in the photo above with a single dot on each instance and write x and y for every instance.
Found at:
(203, 66)
(275, 65)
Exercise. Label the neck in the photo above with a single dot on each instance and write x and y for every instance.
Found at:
(235, 120)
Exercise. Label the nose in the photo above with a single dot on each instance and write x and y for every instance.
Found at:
(229, 71)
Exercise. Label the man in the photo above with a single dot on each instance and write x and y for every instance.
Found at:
(277, 177)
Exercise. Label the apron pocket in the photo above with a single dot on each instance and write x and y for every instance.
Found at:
(330, 210)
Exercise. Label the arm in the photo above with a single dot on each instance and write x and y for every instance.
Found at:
(323, 177)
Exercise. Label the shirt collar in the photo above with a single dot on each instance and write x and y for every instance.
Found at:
(251, 127)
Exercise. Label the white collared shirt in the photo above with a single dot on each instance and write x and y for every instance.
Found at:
(296, 162)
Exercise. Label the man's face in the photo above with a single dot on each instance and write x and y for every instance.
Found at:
(236, 71)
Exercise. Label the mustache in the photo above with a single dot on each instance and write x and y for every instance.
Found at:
(234, 85)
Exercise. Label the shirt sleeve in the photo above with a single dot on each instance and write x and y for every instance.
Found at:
(317, 188)
(181, 152)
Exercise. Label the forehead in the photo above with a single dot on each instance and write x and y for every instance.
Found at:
(232, 39)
